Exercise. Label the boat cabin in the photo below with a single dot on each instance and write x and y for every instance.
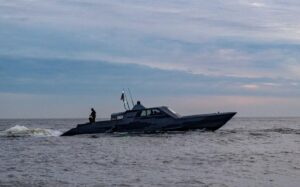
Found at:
(157, 112)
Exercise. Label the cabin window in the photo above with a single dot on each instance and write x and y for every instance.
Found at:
(143, 113)
(120, 117)
(155, 112)
(149, 112)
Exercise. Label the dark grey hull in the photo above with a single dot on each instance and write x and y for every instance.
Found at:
(210, 122)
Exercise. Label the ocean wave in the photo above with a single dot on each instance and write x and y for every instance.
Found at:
(22, 131)
(259, 132)
(283, 130)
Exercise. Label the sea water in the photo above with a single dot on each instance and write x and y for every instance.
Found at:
(245, 152)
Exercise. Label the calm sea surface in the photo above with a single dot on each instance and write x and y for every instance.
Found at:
(245, 152)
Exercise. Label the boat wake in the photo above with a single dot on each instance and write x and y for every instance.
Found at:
(22, 131)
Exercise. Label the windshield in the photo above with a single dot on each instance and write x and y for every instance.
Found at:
(175, 113)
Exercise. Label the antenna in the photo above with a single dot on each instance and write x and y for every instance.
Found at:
(130, 97)
(127, 102)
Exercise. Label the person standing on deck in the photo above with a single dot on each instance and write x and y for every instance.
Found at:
(138, 106)
(92, 117)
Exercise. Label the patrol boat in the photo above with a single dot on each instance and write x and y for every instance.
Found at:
(140, 119)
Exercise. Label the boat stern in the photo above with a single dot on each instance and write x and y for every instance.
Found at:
(70, 132)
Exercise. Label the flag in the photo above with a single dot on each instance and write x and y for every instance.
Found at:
(122, 96)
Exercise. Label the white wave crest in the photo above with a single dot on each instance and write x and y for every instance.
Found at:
(20, 131)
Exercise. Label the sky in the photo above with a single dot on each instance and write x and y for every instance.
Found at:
(59, 58)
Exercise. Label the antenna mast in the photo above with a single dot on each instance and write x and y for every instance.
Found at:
(127, 102)
(131, 97)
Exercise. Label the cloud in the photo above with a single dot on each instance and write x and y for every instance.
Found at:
(257, 4)
(88, 77)
(172, 19)
(250, 86)
(167, 35)
(245, 47)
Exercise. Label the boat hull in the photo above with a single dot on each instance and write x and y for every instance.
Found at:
(210, 122)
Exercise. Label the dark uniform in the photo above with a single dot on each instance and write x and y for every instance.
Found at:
(138, 106)
(92, 117)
